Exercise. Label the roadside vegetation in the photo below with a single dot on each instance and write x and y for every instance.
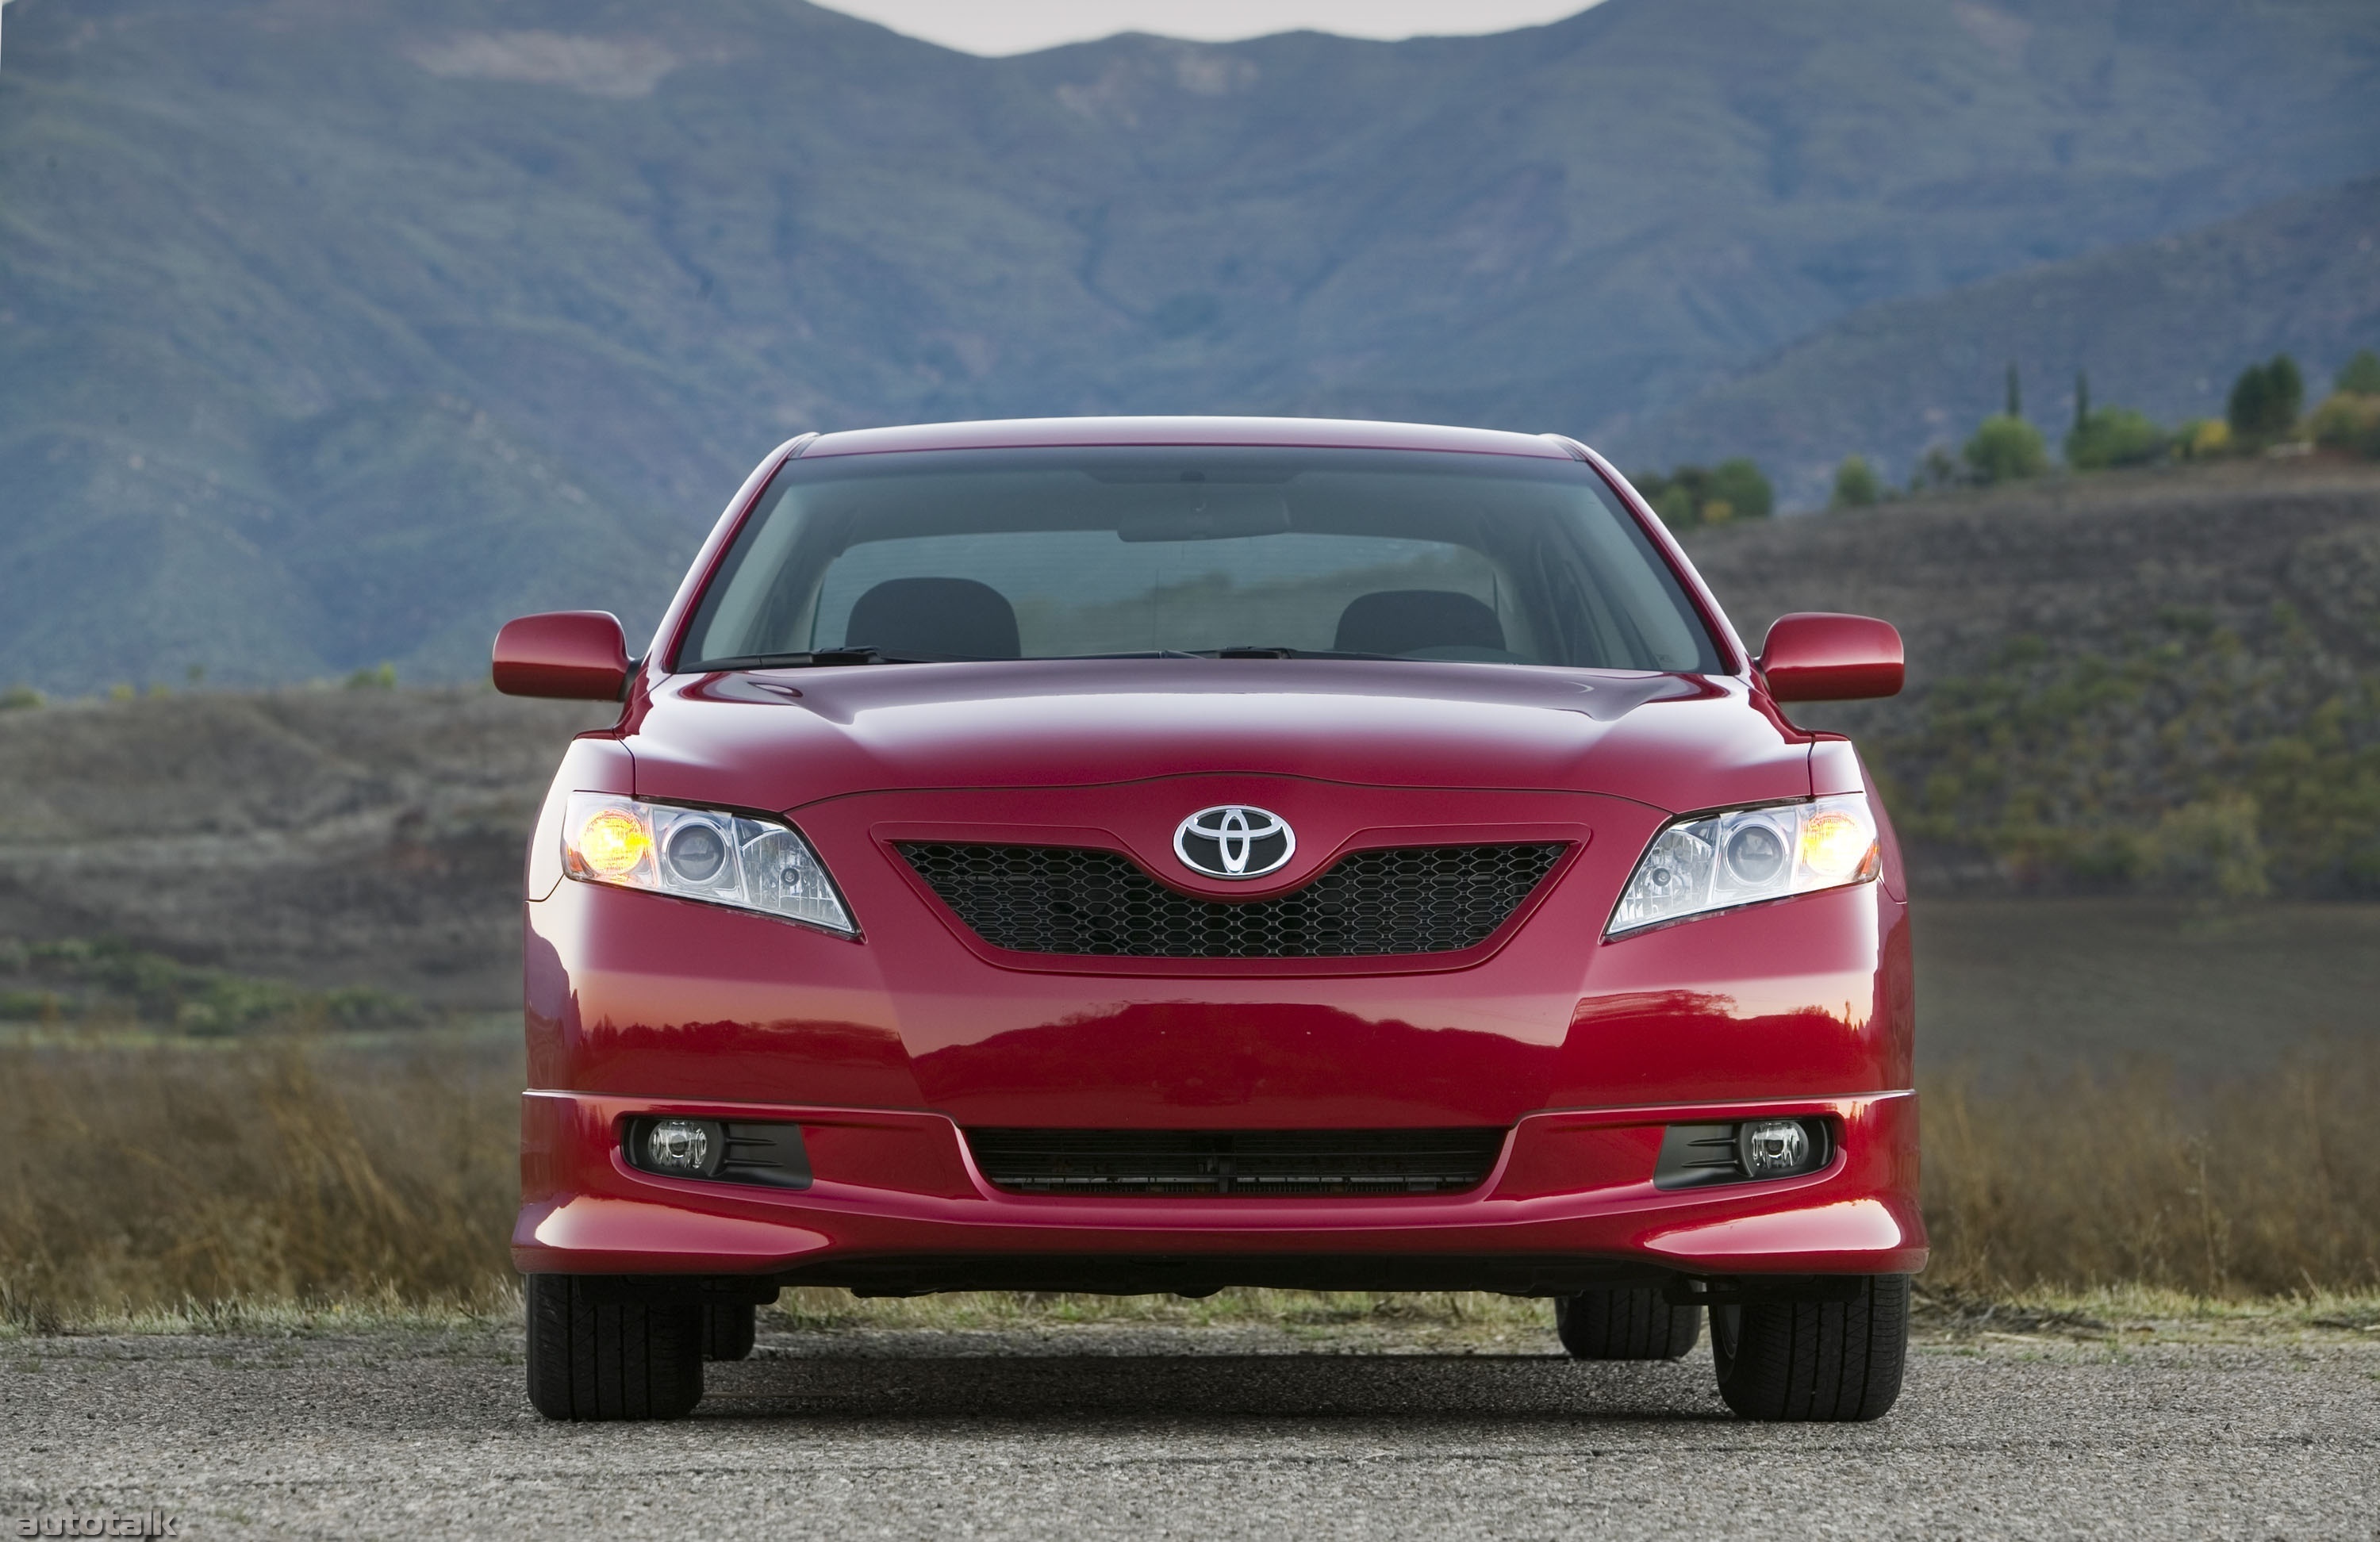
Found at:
(1687, 497)
(318, 1178)
(110, 985)
(2265, 415)
(2191, 758)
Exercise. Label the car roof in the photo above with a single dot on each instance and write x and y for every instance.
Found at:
(1285, 432)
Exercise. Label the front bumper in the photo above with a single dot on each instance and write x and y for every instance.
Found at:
(897, 1206)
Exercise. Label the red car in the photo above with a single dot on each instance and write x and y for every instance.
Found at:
(1157, 854)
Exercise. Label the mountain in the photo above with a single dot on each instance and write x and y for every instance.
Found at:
(334, 332)
(2162, 325)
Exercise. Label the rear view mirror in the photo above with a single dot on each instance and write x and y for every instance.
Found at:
(1200, 511)
(1820, 655)
(576, 655)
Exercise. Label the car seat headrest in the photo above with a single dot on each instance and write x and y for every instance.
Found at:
(1408, 619)
(958, 617)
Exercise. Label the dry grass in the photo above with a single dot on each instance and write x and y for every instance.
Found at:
(149, 1175)
(316, 1182)
(2266, 1186)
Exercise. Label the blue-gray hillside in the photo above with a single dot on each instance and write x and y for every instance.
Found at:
(335, 332)
(2163, 325)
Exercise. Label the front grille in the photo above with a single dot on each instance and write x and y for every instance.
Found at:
(1241, 1163)
(1068, 900)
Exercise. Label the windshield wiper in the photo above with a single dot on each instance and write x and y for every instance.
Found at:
(1249, 651)
(825, 657)
(1261, 652)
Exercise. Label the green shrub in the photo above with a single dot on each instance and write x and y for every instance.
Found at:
(119, 980)
(2006, 449)
(2194, 759)
(1856, 486)
(1692, 495)
(2359, 375)
(2114, 436)
(2350, 421)
(1678, 507)
(380, 679)
(18, 698)
(2202, 438)
(1739, 484)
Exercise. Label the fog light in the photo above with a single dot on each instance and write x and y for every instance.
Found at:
(1775, 1148)
(684, 1145)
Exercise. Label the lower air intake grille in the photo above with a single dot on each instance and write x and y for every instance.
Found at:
(1066, 900)
(1241, 1163)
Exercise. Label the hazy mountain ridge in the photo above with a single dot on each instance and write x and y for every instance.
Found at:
(335, 333)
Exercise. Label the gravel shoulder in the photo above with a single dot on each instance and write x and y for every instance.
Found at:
(1069, 1430)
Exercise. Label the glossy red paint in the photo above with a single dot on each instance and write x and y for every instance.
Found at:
(576, 655)
(773, 740)
(1571, 1187)
(1821, 656)
(885, 1048)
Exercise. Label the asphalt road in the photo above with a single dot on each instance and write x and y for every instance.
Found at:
(1202, 1433)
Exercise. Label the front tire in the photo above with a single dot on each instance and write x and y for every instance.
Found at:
(1815, 1360)
(601, 1349)
(1632, 1322)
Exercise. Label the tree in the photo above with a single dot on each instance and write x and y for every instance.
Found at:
(2005, 449)
(2015, 394)
(2359, 375)
(2082, 400)
(1677, 507)
(2114, 436)
(1739, 484)
(1692, 495)
(2265, 400)
(1673, 497)
(1856, 487)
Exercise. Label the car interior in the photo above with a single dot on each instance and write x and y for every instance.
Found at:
(964, 618)
(958, 618)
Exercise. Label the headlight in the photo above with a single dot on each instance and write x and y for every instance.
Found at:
(700, 854)
(1719, 861)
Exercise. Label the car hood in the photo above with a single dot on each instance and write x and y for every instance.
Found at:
(781, 739)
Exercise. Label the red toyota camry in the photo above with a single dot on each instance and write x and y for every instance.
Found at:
(1156, 855)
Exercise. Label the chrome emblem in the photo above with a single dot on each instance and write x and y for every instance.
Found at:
(1234, 841)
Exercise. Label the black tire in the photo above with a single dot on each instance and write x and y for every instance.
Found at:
(1630, 1322)
(1815, 1360)
(728, 1330)
(599, 1351)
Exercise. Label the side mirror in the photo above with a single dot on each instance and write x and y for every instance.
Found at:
(1820, 655)
(577, 655)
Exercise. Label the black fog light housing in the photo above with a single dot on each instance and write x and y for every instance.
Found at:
(1696, 1155)
(733, 1151)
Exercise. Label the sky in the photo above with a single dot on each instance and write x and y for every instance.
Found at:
(1022, 26)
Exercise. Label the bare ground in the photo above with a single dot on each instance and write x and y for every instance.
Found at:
(1138, 1430)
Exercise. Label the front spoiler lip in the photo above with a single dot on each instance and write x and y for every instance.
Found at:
(608, 1218)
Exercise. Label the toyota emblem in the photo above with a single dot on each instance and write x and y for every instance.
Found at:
(1234, 841)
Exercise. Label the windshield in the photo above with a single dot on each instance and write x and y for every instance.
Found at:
(1136, 550)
